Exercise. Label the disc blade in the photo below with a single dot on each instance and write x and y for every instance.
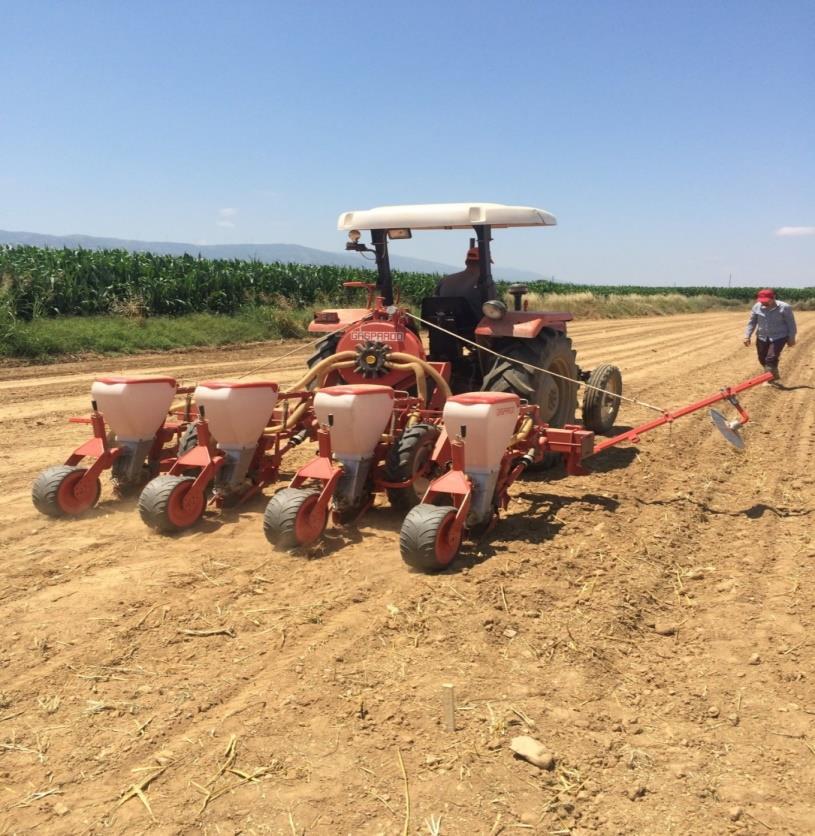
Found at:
(721, 424)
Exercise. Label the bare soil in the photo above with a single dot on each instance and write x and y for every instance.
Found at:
(651, 624)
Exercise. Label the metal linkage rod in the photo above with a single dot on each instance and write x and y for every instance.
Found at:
(668, 417)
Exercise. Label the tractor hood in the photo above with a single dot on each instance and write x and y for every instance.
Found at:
(525, 325)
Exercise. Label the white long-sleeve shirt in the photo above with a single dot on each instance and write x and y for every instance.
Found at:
(772, 323)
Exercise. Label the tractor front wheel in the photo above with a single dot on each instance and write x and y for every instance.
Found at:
(409, 458)
(57, 492)
(428, 540)
(600, 404)
(293, 518)
(167, 506)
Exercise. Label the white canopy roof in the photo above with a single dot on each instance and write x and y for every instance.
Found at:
(445, 216)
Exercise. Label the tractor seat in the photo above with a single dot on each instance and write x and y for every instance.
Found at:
(455, 314)
(451, 312)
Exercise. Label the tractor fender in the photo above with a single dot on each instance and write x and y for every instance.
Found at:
(525, 325)
(332, 320)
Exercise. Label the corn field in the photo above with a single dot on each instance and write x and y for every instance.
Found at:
(36, 283)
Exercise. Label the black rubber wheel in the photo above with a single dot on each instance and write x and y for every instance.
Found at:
(600, 408)
(550, 350)
(161, 504)
(425, 541)
(51, 492)
(289, 522)
(405, 458)
(327, 347)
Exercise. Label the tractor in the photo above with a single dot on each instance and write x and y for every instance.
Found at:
(475, 344)
(530, 343)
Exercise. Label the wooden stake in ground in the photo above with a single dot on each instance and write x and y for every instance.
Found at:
(407, 794)
(448, 702)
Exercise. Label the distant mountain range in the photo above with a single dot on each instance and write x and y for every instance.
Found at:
(266, 253)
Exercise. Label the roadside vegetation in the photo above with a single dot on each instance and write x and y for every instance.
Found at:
(589, 305)
(66, 302)
(57, 337)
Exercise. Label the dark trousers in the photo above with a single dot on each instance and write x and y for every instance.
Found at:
(769, 351)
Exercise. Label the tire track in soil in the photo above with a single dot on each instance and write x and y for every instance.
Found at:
(354, 679)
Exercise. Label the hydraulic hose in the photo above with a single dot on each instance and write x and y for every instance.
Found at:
(418, 373)
(343, 360)
(523, 432)
(402, 357)
(322, 368)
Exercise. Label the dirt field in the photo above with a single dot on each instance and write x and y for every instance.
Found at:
(651, 624)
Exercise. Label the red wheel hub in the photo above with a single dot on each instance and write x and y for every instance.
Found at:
(75, 498)
(310, 521)
(448, 540)
(184, 508)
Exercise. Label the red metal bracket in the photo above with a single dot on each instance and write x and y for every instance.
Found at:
(726, 394)
(321, 469)
(199, 456)
(456, 484)
(97, 448)
(575, 443)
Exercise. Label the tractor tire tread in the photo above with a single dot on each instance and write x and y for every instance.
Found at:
(600, 376)
(324, 349)
(505, 376)
(549, 346)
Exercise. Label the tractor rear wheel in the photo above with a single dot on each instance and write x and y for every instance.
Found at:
(550, 350)
(293, 519)
(427, 540)
(54, 492)
(165, 506)
(409, 456)
(600, 407)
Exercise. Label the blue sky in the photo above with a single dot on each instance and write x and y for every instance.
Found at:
(673, 141)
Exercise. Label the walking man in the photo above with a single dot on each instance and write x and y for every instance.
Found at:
(776, 328)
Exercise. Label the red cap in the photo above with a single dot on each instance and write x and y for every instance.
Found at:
(238, 384)
(476, 398)
(356, 389)
(767, 293)
(113, 379)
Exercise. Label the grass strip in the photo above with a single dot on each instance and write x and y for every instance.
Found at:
(54, 338)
